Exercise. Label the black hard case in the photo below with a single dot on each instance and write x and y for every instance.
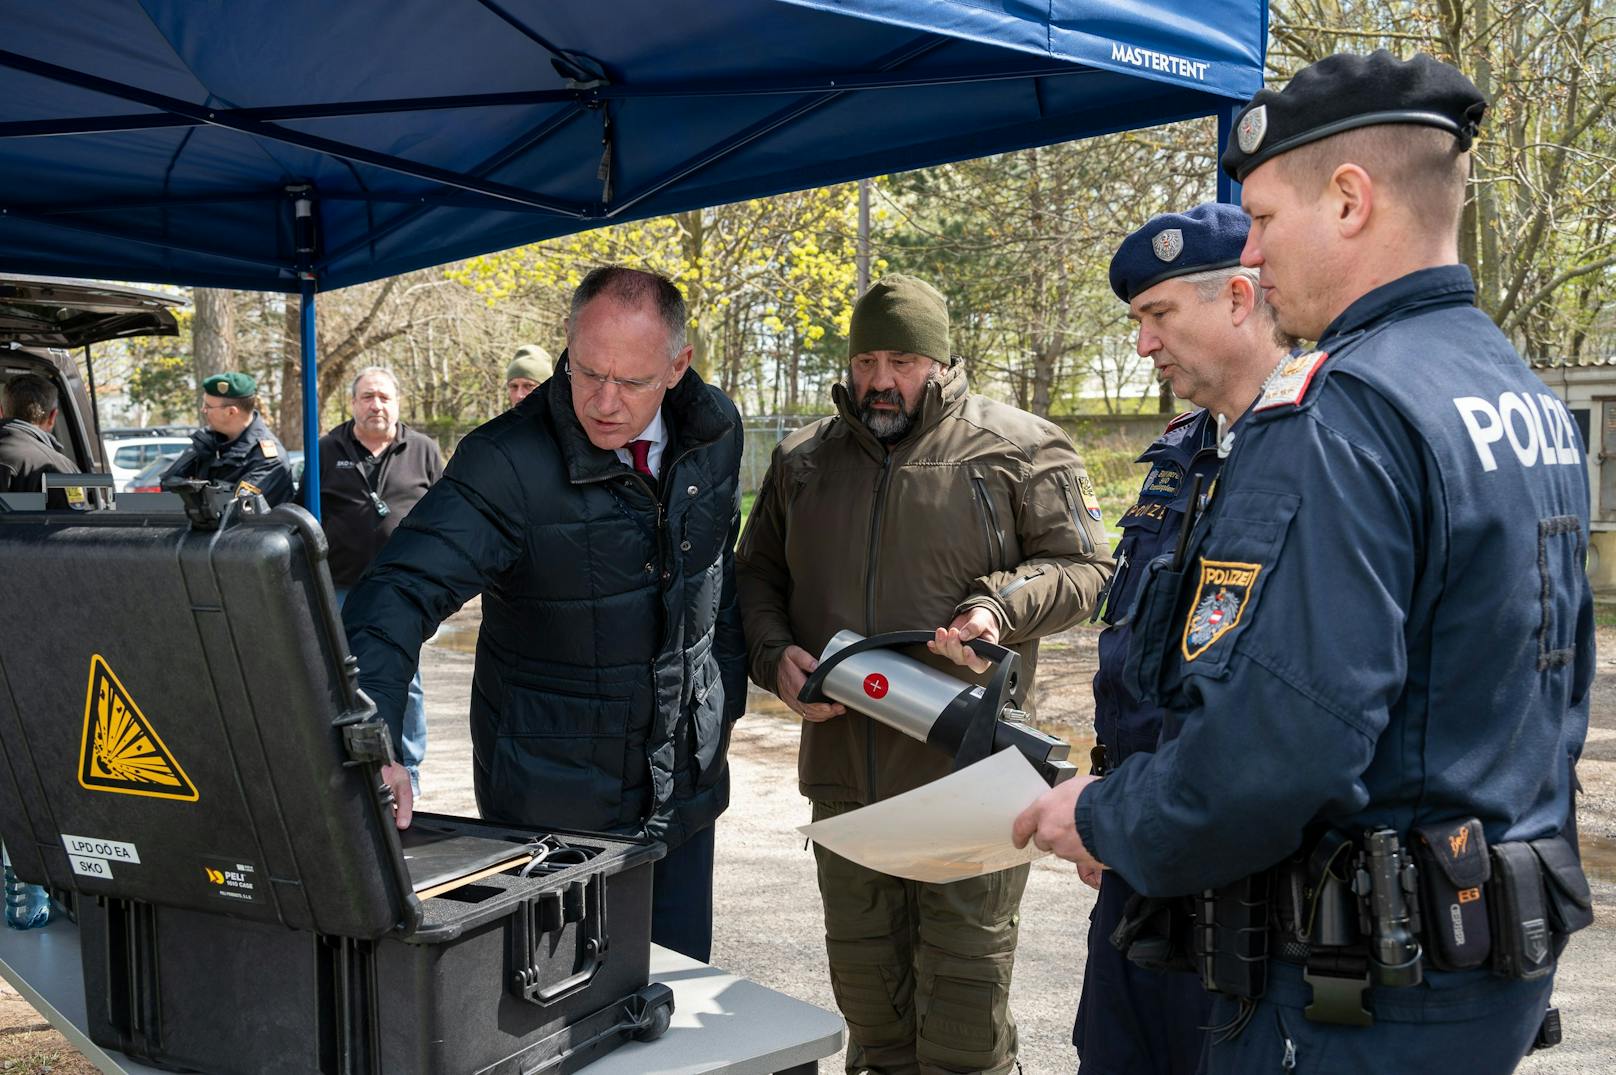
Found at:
(228, 642)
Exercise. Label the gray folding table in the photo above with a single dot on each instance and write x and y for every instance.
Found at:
(721, 1022)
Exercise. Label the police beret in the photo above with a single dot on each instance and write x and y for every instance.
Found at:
(1345, 91)
(1210, 236)
(230, 385)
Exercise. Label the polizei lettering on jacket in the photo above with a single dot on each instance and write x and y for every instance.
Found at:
(1159, 61)
(1221, 575)
(1536, 426)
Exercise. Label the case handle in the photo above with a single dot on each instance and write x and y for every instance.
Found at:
(583, 902)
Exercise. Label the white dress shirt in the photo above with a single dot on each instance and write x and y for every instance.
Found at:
(657, 434)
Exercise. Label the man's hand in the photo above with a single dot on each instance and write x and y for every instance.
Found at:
(978, 622)
(795, 665)
(397, 777)
(1051, 824)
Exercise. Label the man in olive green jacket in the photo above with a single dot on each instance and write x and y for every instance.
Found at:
(918, 505)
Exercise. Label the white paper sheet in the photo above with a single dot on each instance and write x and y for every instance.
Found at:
(952, 828)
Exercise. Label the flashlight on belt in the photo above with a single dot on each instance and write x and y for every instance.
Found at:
(963, 719)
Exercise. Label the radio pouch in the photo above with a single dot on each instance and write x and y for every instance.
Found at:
(1521, 942)
(1570, 902)
(1454, 869)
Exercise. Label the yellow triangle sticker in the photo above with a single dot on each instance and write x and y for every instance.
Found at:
(121, 751)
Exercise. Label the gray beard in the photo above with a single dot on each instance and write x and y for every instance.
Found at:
(888, 426)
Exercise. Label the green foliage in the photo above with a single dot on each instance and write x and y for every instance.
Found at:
(769, 282)
(1020, 243)
(1539, 228)
(166, 384)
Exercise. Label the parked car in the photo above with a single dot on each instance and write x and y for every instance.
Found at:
(131, 453)
(150, 479)
(42, 318)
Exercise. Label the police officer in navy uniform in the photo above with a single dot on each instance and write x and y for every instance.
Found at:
(1205, 326)
(1376, 649)
(234, 447)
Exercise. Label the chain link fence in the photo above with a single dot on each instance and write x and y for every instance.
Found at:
(762, 432)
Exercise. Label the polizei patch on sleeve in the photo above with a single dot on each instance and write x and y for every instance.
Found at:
(1219, 603)
(1287, 385)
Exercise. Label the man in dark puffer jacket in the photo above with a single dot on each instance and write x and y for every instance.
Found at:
(598, 520)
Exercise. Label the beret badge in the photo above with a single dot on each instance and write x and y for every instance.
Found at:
(1168, 243)
(1253, 126)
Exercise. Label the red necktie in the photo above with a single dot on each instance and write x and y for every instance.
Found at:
(642, 456)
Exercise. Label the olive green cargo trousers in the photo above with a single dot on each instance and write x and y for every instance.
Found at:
(921, 971)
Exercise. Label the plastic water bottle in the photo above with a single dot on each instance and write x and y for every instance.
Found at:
(27, 906)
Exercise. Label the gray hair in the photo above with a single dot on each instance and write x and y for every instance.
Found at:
(1209, 284)
(381, 371)
(634, 287)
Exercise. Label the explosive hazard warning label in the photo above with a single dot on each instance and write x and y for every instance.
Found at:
(121, 751)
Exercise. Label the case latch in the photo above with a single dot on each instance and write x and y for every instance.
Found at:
(368, 742)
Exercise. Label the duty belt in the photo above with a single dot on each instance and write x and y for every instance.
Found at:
(1355, 914)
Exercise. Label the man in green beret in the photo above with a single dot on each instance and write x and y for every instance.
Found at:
(530, 368)
(234, 447)
(917, 505)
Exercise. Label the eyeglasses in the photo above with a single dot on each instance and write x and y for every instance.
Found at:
(218, 406)
(593, 382)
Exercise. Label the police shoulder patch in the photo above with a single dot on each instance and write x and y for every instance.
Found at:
(1219, 603)
(1164, 480)
(1180, 419)
(1287, 385)
(267, 447)
(247, 488)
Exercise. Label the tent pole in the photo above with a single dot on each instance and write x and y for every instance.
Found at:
(1228, 189)
(304, 233)
(311, 405)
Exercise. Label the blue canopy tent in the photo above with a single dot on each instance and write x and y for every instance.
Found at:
(302, 145)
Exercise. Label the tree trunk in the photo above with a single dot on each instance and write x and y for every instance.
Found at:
(692, 237)
(213, 335)
(1164, 399)
(289, 420)
(794, 373)
(1043, 377)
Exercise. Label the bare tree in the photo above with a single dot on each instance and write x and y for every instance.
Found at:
(213, 334)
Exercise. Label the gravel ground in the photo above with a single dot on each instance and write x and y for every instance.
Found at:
(768, 926)
(767, 920)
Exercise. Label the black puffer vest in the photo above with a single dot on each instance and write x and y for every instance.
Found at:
(610, 663)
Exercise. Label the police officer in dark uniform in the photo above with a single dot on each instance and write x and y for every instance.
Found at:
(235, 447)
(1204, 324)
(1376, 648)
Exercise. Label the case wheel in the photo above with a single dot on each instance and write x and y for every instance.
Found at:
(655, 1011)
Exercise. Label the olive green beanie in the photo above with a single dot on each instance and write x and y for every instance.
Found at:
(532, 362)
(901, 313)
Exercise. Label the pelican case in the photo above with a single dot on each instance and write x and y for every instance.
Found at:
(183, 744)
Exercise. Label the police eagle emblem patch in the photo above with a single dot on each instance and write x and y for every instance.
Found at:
(1168, 243)
(1219, 603)
(1253, 127)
